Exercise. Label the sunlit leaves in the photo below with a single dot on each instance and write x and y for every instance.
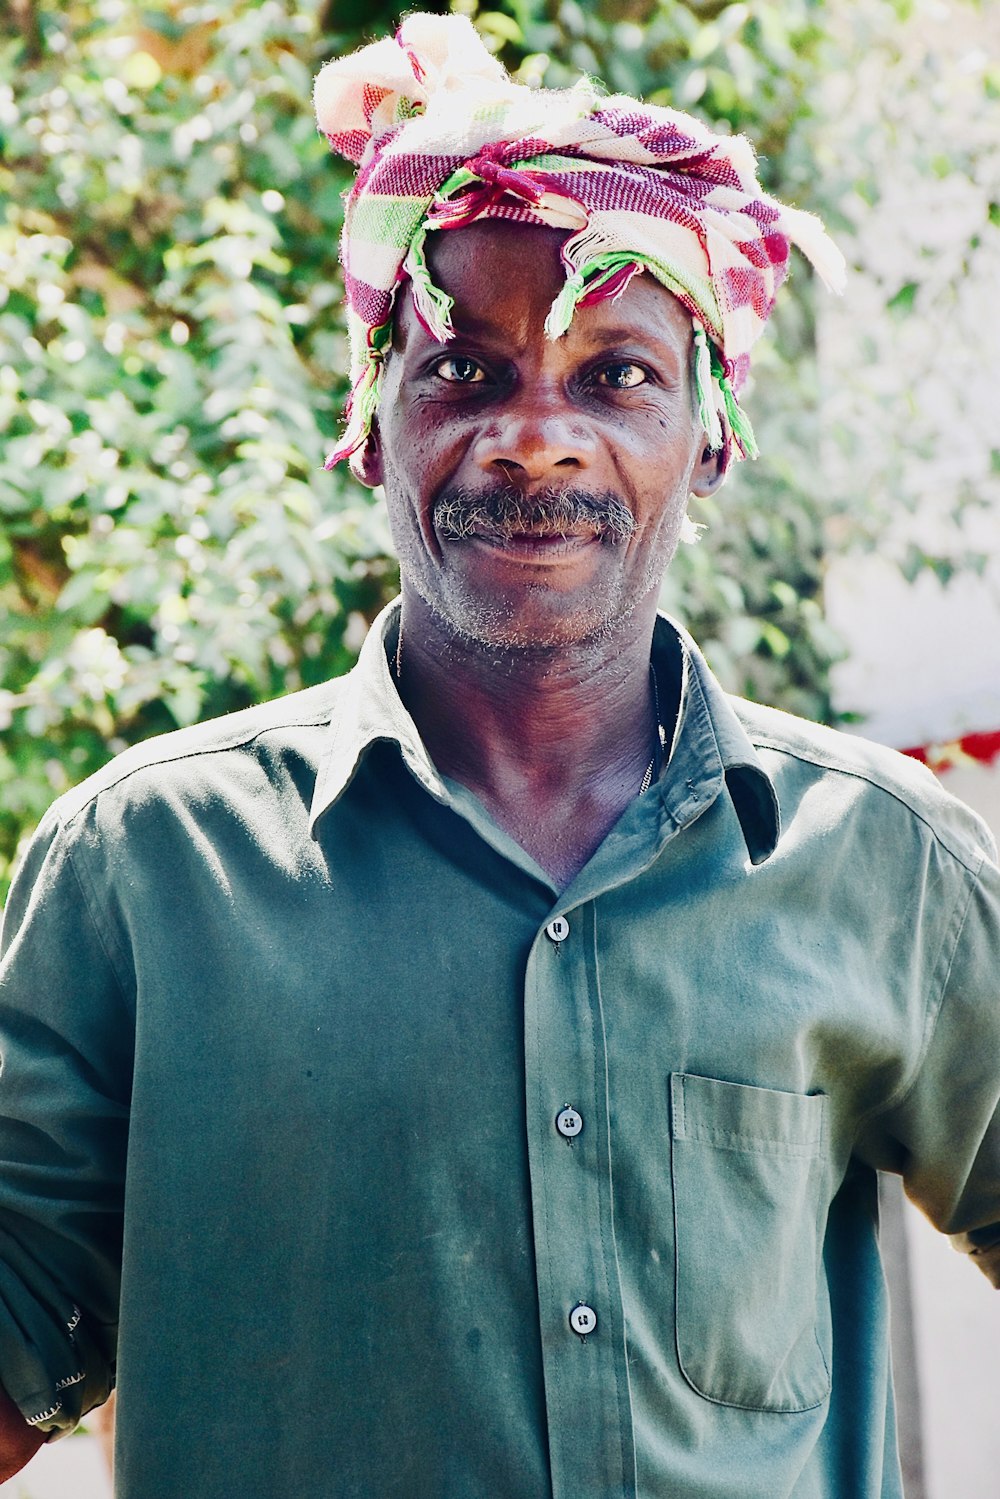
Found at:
(171, 372)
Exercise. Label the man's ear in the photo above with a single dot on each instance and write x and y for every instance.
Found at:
(366, 464)
(710, 471)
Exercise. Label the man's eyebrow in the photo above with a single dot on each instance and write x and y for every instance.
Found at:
(465, 329)
(468, 325)
(631, 333)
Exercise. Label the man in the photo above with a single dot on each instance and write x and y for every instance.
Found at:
(489, 1055)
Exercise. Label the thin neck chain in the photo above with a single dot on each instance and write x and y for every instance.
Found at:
(647, 779)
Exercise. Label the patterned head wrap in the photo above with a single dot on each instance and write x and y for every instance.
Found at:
(443, 137)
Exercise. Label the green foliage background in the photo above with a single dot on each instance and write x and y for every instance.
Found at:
(171, 361)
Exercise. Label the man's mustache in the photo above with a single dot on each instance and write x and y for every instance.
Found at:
(501, 512)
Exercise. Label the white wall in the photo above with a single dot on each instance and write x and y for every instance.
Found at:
(956, 1312)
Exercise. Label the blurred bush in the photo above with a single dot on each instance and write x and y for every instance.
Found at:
(171, 361)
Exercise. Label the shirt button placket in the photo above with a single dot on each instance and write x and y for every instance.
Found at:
(578, 1291)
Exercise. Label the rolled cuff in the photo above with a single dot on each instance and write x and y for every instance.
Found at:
(55, 1363)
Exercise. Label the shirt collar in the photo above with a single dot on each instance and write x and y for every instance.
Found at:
(370, 709)
(708, 731)
(709, 726)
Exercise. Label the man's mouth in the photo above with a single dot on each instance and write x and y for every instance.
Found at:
(538, 546)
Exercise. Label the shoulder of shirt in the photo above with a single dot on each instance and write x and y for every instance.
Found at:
(313, 707)
(887, 772)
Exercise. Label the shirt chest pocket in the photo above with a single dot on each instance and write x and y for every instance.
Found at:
(751, 1300)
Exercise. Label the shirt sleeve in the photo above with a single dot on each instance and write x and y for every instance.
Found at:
(66, 1034)
(946, 1129)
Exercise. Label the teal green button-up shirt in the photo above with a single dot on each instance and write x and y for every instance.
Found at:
(425, 1180)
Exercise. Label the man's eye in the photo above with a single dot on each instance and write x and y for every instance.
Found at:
(622, 375)
(460, 370)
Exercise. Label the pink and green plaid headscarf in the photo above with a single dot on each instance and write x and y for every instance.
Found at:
(442, 137)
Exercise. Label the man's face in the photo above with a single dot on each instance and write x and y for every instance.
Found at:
(536, 488)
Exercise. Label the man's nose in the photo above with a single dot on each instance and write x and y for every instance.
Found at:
(537, 438)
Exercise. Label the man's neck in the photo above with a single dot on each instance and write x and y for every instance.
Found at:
(555, 744)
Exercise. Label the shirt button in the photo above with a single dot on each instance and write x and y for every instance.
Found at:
(583, 1319)
(569, 1123)
(557, 930)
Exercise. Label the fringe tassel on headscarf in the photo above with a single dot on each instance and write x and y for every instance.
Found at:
(704, 392)
(364, 398)
(433, 306)
(603, 276)
(739, 422)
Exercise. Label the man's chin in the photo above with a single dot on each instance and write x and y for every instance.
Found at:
(530, 625)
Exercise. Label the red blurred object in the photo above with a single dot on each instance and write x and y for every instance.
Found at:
(982, 747)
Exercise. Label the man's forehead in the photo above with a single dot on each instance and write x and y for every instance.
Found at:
(494, 238)
(499, 271)
(492, 268)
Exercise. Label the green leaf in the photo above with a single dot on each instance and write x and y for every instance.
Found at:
(902, 300)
